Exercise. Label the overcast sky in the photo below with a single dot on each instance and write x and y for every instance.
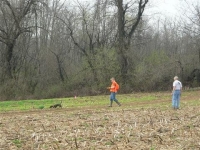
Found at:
(170, 7)
(167, 8)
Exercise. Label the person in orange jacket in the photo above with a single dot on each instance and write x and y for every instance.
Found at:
(113, 90)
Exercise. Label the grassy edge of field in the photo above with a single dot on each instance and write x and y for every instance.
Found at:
(129, 101)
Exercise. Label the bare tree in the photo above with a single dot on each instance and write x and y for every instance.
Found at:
(126, 29)
(13, 15)
(191, 30)
(89, 32)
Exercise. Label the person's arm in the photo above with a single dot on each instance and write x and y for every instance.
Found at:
(116, 87)
(174, 87)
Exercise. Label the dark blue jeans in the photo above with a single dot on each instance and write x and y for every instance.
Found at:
(112, 97)
(176, 99)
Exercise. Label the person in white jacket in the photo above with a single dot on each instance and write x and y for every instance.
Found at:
(176, 93)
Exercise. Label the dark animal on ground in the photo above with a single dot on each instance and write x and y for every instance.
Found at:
(56, 105)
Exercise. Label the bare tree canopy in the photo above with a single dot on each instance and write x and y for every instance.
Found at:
(52, 48)
(13, 15)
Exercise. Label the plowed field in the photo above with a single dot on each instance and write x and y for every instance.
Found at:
(103, 128)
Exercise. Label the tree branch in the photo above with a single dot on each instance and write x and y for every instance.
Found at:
(139, 15)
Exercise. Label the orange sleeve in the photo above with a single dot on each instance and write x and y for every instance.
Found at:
(113, 87)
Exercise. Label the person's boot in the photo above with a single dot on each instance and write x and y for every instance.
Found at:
(118, 103)
(110, 104)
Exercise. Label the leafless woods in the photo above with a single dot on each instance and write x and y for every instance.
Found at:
(54, 48)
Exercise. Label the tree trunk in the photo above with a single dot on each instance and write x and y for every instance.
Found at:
(124, 39)
(9, 55)
(123, 60)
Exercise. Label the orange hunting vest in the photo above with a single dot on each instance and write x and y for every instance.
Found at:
(114, 87)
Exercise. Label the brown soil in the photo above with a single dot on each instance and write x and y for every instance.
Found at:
(104, 128)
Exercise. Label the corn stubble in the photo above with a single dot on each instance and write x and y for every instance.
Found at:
(106, 129)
